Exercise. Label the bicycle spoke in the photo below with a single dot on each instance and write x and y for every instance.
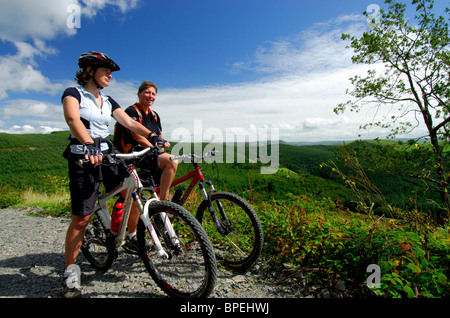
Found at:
(236, 246)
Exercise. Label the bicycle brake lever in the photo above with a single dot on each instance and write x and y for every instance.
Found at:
(158, 146)
(110, 159)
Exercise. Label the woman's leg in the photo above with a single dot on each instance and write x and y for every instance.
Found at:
(133, 218)
(170, 169)
(74, 237)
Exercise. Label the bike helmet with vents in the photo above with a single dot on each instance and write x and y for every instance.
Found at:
(96, 60)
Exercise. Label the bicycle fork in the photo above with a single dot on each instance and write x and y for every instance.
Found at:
(223, 227)
(167, 225)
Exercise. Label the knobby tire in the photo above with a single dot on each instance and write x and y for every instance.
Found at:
(191, 270)
(241, 248)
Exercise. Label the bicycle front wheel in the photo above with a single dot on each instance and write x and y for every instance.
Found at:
(98, 243)
(240, 245)
(190, 270)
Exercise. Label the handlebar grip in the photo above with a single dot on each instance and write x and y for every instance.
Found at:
(81, 162)
(172, 158)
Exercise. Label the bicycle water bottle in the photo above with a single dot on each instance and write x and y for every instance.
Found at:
(116, 217)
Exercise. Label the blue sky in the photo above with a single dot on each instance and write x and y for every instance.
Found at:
(235, 65)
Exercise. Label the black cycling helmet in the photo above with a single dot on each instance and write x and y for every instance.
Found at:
(96, 60)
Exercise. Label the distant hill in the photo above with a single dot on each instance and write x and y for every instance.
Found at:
(319, 143)
(26, 159)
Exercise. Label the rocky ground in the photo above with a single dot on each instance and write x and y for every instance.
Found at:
(32, 262)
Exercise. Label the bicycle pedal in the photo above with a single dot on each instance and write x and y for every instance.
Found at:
(177, 249)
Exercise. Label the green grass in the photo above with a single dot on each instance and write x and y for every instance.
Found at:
(25, 159)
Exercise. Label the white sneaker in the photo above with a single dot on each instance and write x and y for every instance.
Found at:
(72, 281)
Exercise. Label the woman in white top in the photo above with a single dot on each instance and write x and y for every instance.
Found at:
(88, 112)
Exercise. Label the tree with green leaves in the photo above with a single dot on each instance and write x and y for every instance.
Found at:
(414, 79)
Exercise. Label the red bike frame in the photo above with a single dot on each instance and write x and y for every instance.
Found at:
(196, 177)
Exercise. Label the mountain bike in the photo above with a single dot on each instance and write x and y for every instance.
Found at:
(172, 244)
(231, 223)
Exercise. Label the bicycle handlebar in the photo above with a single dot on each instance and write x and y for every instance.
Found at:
(127, 156)
(192, 156)
(157, 149)
(133, 155)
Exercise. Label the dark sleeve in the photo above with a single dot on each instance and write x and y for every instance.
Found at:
(114, 104)
(71, 91)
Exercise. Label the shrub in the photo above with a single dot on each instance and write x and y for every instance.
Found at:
(55, 184)
(9, 196)
(414, 264)
(306, 233)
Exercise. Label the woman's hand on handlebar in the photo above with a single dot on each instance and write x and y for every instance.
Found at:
(92, 153)
(158, 141)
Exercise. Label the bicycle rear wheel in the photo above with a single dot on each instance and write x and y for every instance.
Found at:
(98, 243)
(190, 271)
(241, 245)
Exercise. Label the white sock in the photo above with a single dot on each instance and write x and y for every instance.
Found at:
(131, 235)
(71, 269)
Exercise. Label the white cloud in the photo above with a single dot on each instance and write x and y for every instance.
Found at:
(29, 25)
(18, 72)
(35, 117)
(90, 8)
(22, 20)
(124, 93)
(318, 48)
(294, 104)
(319, 122)
(31, 108)
(305, 77)
(27, 129)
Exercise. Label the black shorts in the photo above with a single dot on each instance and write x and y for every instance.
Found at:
(148, 169)
(85, 181)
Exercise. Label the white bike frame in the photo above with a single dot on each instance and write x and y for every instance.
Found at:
(133, 185)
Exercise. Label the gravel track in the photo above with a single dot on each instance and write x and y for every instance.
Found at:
(32, 263)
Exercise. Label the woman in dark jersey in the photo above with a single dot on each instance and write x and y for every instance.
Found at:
(142, 113)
